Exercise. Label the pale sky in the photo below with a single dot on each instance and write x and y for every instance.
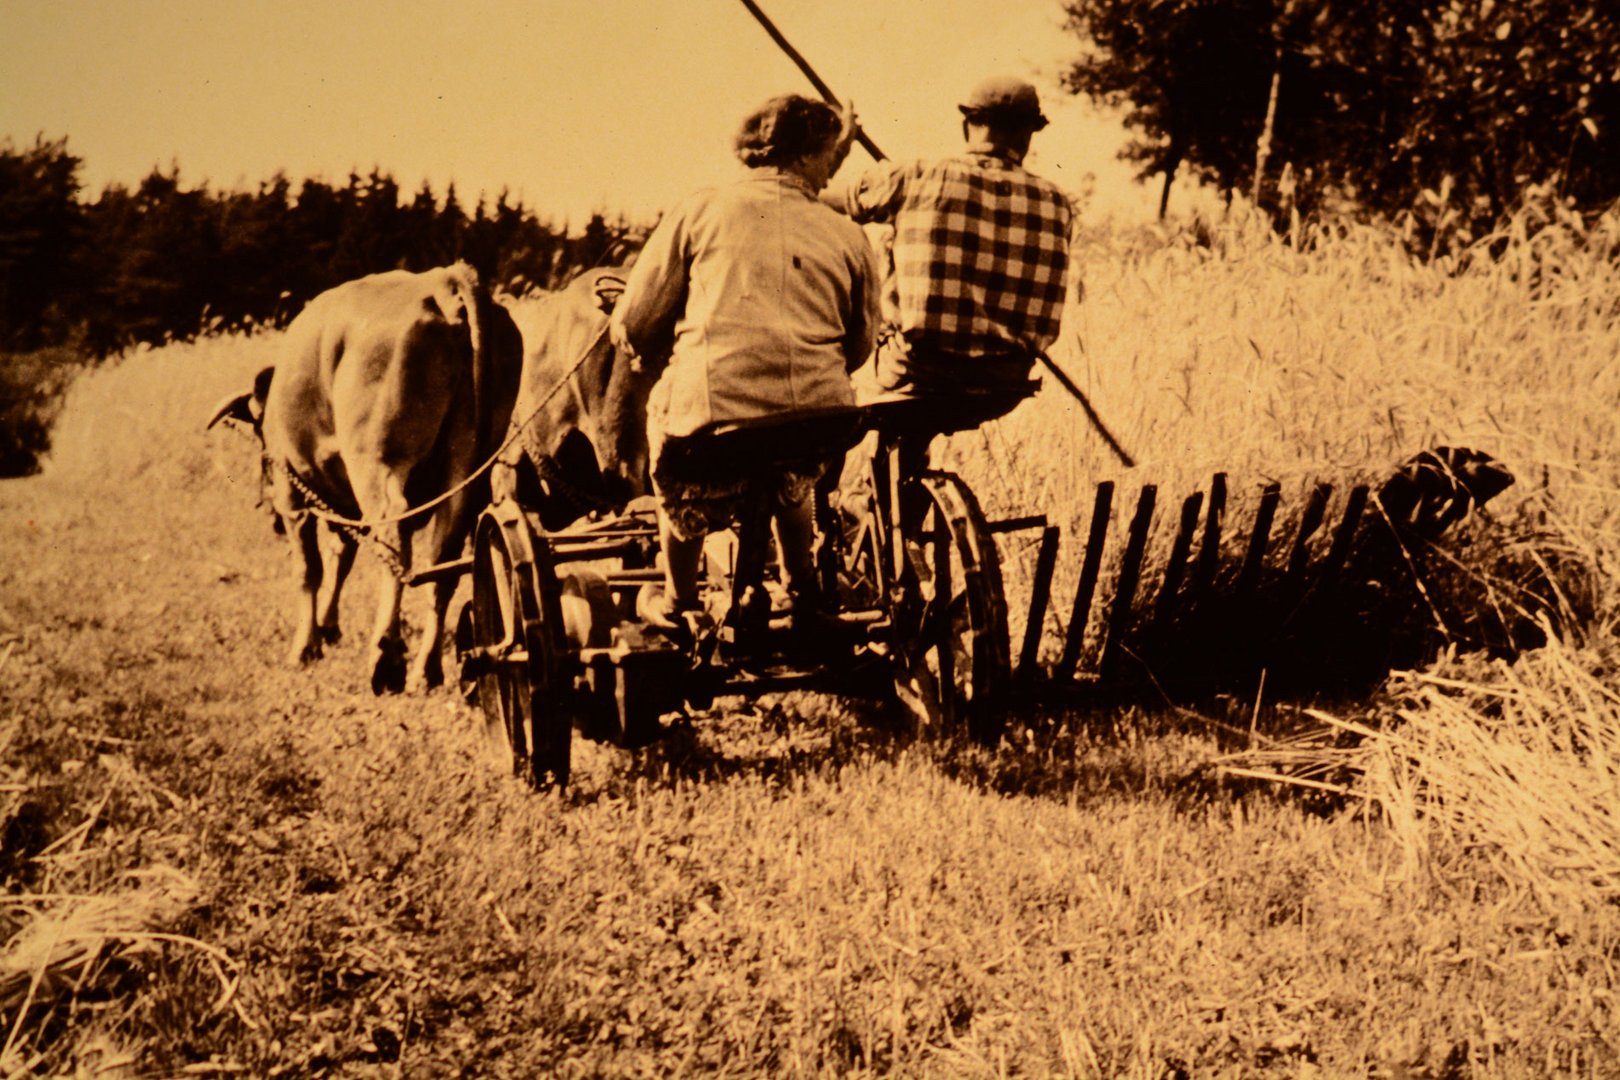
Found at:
(618, 105)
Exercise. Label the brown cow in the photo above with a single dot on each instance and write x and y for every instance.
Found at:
(391, 391)
(582, 407)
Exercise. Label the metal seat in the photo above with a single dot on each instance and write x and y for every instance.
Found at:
(764, 447)
(942, 413)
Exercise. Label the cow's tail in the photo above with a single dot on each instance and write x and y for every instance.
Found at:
(464, 280)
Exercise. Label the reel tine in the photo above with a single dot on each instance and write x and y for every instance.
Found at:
(1090, 570)
(1130, 573)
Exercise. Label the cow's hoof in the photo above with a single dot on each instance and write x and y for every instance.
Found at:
(331, 635)
(305, 655)
(388, 670)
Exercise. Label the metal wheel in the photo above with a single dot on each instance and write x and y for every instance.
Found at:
(517, 637)
(952, 659)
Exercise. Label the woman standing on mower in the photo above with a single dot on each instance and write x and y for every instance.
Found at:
(764, 300)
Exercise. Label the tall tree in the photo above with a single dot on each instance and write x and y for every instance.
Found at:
(164, 270)
(41, 228)
(1189, 74)
(1377, 102)
(256, 251)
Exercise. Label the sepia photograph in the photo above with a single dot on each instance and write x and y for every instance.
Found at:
(787, 538)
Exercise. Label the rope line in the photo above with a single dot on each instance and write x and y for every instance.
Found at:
(513, 433)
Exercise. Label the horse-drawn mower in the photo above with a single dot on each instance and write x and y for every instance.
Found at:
(552, 640)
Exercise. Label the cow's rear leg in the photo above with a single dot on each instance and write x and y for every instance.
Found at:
(338, 558)
(443, 537)
(306, 645)
(387, 644)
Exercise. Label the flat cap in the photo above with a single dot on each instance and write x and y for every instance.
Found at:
(1006, 98)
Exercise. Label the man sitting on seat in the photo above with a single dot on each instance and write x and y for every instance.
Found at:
(764, 300)
(980, 252)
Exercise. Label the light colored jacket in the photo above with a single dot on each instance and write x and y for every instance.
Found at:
(765, 299)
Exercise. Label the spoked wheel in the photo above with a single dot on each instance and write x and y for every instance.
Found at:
(517, 637)
(952, 659)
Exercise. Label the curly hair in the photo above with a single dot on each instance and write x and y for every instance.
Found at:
(785, 129)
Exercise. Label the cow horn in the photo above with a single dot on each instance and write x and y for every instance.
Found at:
(608, 289)
(237, 408)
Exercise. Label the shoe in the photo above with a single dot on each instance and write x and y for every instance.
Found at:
(659, 610)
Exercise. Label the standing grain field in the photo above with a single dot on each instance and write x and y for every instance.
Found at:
(218, 866)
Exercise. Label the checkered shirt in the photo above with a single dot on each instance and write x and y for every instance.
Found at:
(981, 248)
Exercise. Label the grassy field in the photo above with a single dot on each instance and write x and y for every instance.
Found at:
(218, 866)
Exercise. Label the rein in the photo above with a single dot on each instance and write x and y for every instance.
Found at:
(513, 433)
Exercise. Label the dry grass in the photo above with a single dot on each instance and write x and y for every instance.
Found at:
(1519, 758)
(140, 419)
(788, 887)
(1522, 758)
(74, 949)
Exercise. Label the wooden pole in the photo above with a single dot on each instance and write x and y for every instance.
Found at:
(1343, 539)
(1177, 567)
(1254, 559)
(1040, 594)
(810, 73)
(1079, 395)
(1309, 522)
(1209, 548)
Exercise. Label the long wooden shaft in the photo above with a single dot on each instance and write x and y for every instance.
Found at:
(810, 73)
(1079, 395)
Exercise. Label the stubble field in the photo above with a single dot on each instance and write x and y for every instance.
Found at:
(215, 865)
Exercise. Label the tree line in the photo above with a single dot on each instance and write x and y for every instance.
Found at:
(1443, 110)
(166, 260)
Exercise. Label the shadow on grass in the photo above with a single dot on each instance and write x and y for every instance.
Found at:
(1084, 756)
(1072, 756)
(775, 739)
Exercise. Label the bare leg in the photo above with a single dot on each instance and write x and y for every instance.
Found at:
(795, 533)
(682, 558)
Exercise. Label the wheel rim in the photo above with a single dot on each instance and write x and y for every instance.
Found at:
(524, 720)
(953, 656)
(502, 688)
